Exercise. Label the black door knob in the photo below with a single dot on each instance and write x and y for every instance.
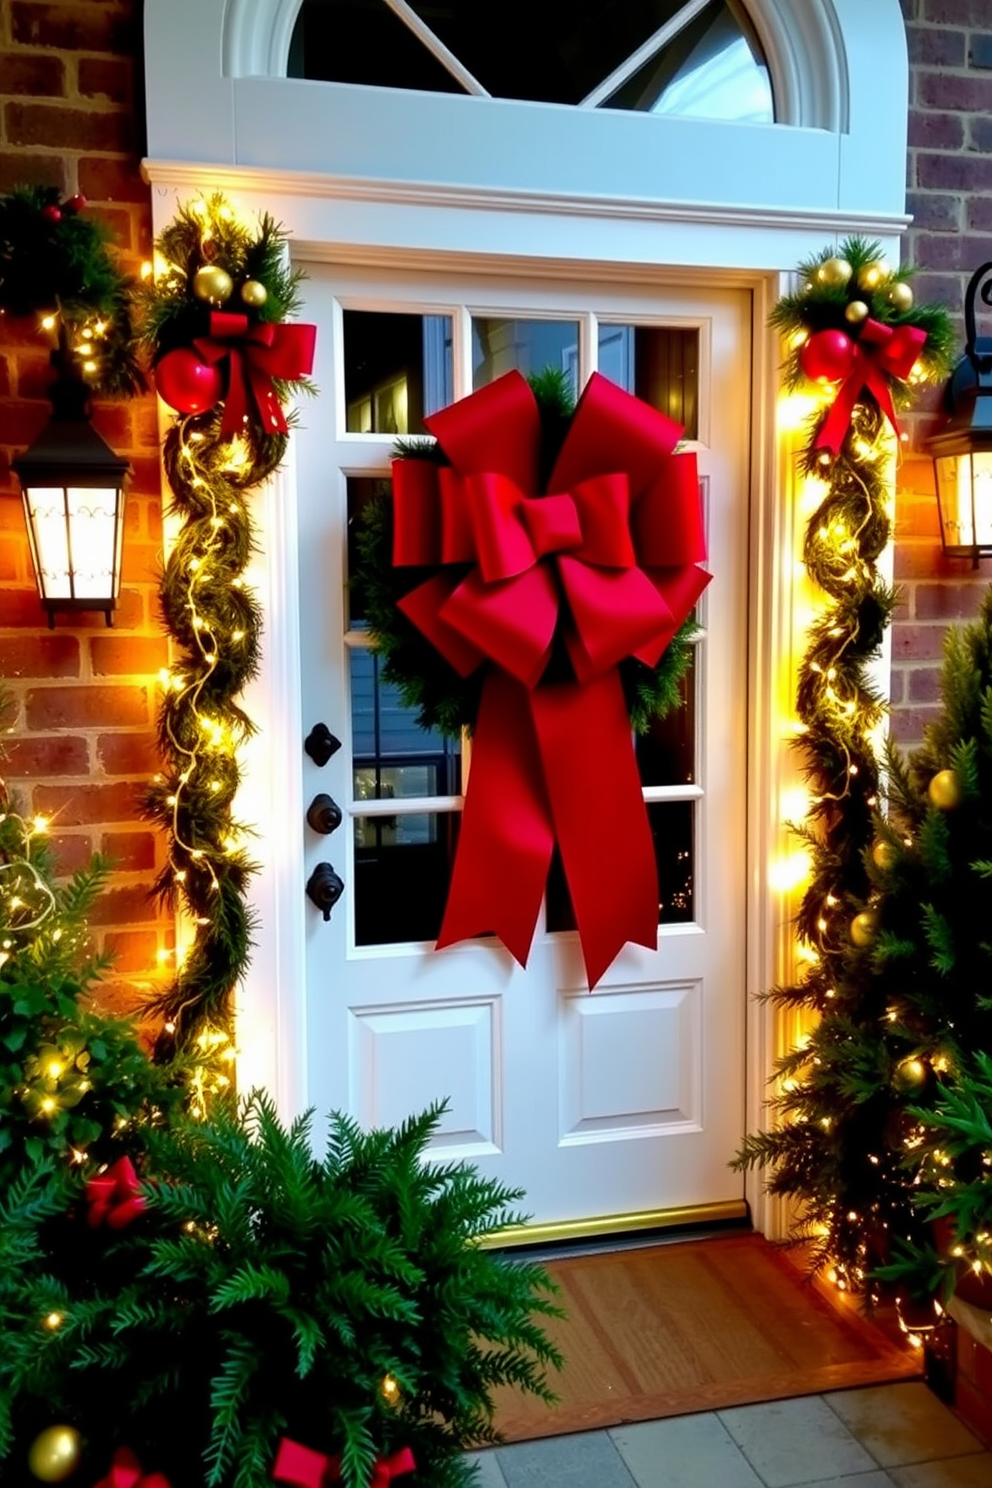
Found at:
(320, 744)
(324, 888)
(324, 814)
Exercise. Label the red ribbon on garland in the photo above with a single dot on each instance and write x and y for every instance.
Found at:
(126, 1472)
(306, 1468)
(881, 351)
(115, 1197)
(256, 354)
(607, 558)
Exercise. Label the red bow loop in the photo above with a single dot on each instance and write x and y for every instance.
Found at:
(881, 351)
(255, 356)
(115, 1197)
(126, 1472)
(582, 560)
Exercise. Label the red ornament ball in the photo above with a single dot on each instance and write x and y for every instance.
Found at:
(52, 213)
(827, 356)
(74, 204)
(186, 383)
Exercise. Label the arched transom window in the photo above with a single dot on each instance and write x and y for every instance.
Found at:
(698, 59)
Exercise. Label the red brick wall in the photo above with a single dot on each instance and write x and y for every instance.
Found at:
(83, 742)
(949, 193)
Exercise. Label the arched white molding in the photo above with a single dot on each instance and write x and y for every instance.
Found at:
(839, 68)
(801, 38)
(257, 34)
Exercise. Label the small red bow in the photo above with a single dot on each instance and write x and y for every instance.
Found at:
(305, 1468)
(257, 354)
(880, 351)
(115, 1197)
(126, 1472)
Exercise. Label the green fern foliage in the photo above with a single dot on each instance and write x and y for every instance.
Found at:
(343, 1301)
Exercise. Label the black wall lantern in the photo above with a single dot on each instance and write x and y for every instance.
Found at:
(73, 487)
(962, 451)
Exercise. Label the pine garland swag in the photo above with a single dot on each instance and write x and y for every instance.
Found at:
(427, 685)
(54, 262)
(834, 1148)
(211, 615)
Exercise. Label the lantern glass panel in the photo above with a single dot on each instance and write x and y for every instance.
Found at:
(50, 534)
(93, 535)
(964, 486)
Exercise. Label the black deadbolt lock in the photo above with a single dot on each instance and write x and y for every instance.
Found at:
(324, 814)
(325, 888)
(320, 744)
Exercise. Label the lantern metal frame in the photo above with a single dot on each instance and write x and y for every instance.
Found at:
(69, 455)
(968, 432)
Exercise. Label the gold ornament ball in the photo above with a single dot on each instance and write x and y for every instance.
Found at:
(834, 272)
(213, 284)
(900, 296)
(910, 1074)
(54, 1454)
(855, 312)
(863, 928)
(884, 855)
(871, 275)
(254, 293)
(944, 790)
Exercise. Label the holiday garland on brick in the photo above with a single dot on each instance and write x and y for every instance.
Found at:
(852, 330)
(226, 371)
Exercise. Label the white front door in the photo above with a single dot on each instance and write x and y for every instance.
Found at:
(629, 1101)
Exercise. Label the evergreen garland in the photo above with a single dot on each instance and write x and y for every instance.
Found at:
(54, 263)
(427, 684)
(213, 619)
(834, 1149)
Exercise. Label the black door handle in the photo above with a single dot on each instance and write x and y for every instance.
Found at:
(320, 744)
(324, 814)
(324, 888)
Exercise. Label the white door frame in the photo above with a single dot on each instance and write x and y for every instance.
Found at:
(714, 203)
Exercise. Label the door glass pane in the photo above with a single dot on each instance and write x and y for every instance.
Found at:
(552, 51)
(397, 369)
(666, 754)
(361, 489)
(393, 756)
(402, 870)
(527, 346)
(659, 364)
(671, 830)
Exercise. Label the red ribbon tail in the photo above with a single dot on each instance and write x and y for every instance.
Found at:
(300, 1465)
(506, 841)
(599, 817)
(236, 397)
(838, 419)
(270, 410)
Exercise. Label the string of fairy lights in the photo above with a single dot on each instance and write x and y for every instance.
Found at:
(205, 259)
(826, 1152)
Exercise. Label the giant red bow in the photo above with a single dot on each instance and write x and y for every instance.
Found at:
(125, 1472)
(607, 560)
(256, 354)
(306, 1468)
(115, 1197)
(881, 351)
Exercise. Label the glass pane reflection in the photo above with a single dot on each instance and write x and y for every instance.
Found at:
(397, 369)
(393, 755)
(659, 364)
(526, 346)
